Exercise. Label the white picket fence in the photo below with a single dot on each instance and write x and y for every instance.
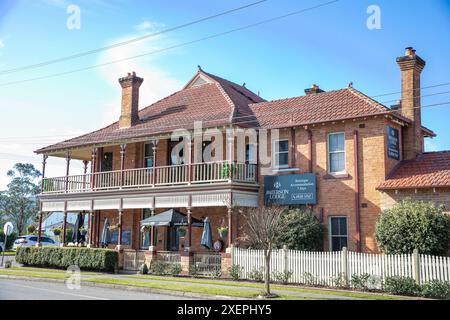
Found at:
(325, 268)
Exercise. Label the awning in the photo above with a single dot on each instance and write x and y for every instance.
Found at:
(170, 218)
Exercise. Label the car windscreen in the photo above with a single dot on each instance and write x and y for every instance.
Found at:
(45, 239)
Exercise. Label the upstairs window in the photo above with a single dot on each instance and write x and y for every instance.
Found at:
(336, 153)
(148, 155)
(281, 153)
(107, 162)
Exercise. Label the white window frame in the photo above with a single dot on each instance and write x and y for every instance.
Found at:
(284, 166)
(153, 156)
(330, 236)
(329, 153)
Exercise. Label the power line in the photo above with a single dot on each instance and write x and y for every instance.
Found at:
(398, 92)
(120, 44)
(243, 120)
(172, 47)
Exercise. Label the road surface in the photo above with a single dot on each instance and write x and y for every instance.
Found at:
(31, 290)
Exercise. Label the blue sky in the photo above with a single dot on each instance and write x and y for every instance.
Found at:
(330, 46)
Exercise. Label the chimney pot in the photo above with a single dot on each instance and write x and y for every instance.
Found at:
(411, 66)
(313, 90)
(129, 115)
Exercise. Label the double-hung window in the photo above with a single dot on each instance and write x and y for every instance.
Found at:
(336, 153)
(281, 153)
(148, 155)
(338, 233)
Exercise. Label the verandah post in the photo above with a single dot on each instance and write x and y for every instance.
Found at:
(122, 164)
(68, 158)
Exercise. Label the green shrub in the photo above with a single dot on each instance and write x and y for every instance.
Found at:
(10, 241)
(309, 279)
(281, 276)
(364, 282)
(8, 264)
(216, 274)
(193, 270)
(413, 225)
(235, 272)
(143, 269)
(175, 269)
(303, 232)
(158, 267)
(58, 257)
(401, 286)
(257, 275)
(436, 289)
(339, 281)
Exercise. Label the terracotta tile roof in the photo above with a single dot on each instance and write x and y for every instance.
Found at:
(214, 103)
(429, 170)
(315, 108)
(221, 102)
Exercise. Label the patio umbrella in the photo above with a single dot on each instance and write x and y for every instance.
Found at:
(106, 235)
(207, 235)
(77, 237)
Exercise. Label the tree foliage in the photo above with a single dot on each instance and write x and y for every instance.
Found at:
(303, 230)
(413, 225)
(263, 229)
(18, 203)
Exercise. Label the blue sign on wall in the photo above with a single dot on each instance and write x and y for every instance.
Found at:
(393, 143)
(290, 189)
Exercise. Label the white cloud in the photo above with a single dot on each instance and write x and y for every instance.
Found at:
(431, 146)
(147, 25)
(158, 83)
(2, 44)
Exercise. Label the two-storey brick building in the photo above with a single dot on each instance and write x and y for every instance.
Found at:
(340, 152)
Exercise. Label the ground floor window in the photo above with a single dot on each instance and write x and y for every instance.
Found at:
(338, 233)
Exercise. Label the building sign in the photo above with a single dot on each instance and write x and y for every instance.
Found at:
(290, 189)
(393, 143)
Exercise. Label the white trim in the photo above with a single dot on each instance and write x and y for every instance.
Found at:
(274, 153)
(330, 243)
(329, 153)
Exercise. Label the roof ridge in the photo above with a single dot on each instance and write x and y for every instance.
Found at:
(296, 97)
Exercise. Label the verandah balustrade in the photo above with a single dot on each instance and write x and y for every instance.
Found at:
(184, 174)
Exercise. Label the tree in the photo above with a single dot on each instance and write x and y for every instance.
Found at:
(263, 228)
(413, 225)
(303, 230)
(19, 203)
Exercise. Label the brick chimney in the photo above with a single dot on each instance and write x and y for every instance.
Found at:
(411, 66)
(313, 90)
(129, 114)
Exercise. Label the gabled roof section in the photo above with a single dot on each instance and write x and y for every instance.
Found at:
(206, 97)
(428, 170)
(328, 106)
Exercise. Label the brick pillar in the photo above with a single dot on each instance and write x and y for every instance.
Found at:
(150, 255)
(226, 263)
(186, 259)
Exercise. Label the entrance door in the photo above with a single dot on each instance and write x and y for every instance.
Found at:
(173, 240)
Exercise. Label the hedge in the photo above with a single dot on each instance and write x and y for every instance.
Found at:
(62, 257)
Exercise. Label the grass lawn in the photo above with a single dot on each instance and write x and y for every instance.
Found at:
(8, 253)
(224, 288)
(343, 293)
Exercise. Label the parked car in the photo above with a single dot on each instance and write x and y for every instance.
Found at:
(31, 240)
(2, 246)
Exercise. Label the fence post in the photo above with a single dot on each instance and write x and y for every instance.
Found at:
(344, 265)
(285, 259)
(416, 265)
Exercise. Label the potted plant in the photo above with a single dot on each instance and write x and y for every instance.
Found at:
(83, 231)
(31, 229)
(223, 232)
(182, 232)
(112, 227)
(57, 231)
